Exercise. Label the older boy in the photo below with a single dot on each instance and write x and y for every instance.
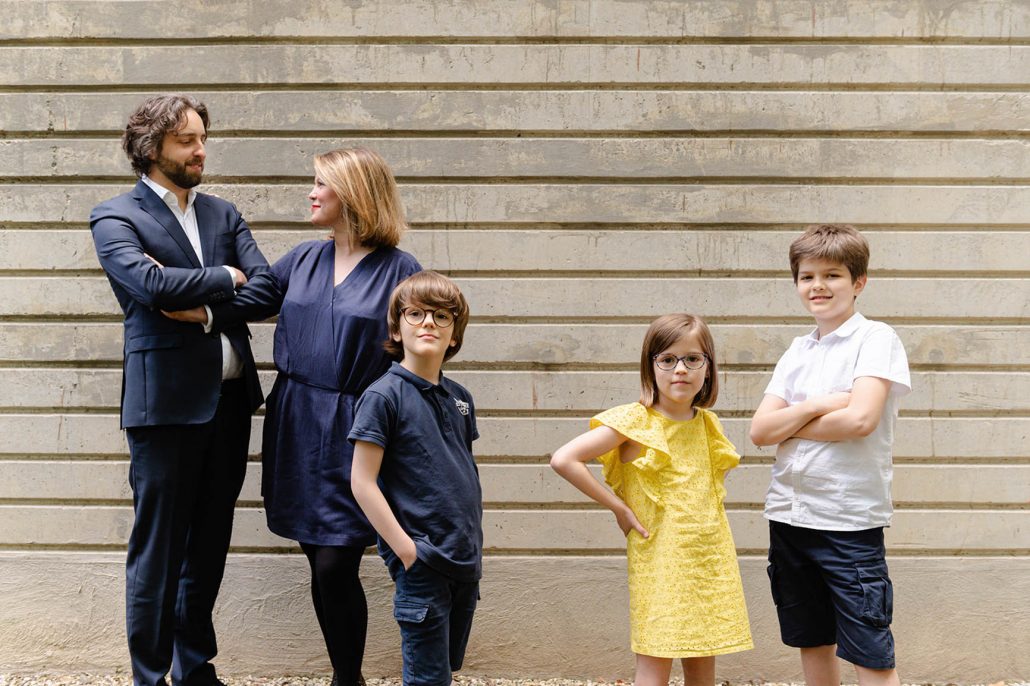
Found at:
(831, 406)
(413, 430)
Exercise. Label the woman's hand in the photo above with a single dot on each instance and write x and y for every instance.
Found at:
(196, 315)
(629, 522)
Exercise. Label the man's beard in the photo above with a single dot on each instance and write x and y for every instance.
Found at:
(177, 173)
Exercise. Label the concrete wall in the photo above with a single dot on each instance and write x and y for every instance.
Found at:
(580, 167)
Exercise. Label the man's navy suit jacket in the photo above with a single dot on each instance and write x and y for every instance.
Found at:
(172, 370)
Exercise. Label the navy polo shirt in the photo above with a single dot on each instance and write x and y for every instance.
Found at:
(428, 474)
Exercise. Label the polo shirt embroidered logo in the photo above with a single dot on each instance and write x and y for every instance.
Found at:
(463, 407)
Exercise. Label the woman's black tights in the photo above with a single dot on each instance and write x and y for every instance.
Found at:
(340, 606)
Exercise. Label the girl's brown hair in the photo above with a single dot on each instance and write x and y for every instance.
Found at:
(363, 182)
(430, 289)
(661, 335)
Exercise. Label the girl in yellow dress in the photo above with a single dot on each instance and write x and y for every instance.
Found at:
(665, 458)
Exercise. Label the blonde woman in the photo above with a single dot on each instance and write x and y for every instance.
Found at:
(328, 348)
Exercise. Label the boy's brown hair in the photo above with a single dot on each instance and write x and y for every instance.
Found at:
(840, 243)
(429, 289)
(363, 182)
(661, 335)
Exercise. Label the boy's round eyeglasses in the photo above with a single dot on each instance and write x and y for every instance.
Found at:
(667, 361)
(416, 315)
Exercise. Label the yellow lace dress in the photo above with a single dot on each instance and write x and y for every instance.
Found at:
(685, 595)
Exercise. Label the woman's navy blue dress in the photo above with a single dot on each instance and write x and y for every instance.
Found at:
(328, 348)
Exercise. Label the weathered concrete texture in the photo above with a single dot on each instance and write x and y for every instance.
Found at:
(580, 166)
(356, 113)
(512, 158)
(973, 298)
(544, 616)
(69, 482)
(594, 251)
(799, 66)
(30, 389)
(621, 203)
(518, 530)
(970, 439)
(544, 345)
(499, 18)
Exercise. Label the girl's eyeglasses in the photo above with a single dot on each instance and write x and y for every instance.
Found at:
(667, 361)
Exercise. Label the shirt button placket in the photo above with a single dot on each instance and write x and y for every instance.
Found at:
(441, 407)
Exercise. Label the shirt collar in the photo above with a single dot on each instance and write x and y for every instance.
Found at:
(167, 196)
(843, 331)
(416, 380)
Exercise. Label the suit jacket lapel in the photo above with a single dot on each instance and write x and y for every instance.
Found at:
(207, 229)
(156, 208)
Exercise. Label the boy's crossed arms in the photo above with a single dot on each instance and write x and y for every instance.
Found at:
(840, 416)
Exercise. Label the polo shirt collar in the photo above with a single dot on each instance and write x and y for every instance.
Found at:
(853, 324)
(413, 378)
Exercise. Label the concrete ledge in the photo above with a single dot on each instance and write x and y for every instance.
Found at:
(626, 111)
(485, 18)
(592, 251)
(502, 296)
(558, 344)
(73, 483)
(551, 531)
(620, 157)
(797, 66)
(560, 391)
(971, 439)
(539, 616)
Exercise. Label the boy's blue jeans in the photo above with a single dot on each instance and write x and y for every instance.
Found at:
(434, 613)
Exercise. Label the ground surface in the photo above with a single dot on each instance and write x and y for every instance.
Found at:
(123, 680)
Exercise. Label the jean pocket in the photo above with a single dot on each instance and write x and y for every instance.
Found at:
(877, 594)
(413, 613)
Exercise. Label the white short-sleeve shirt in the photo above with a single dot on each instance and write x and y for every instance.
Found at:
(837, 485)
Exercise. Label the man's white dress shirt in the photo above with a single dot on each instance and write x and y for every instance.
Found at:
(232, 365)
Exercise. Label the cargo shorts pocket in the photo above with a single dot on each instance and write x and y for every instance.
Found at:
(877, 594)
(413, 613)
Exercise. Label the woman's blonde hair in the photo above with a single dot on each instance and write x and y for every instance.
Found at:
(363, 182)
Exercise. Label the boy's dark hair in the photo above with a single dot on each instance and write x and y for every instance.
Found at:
(430, 289)
(840, 243)
(661, 335)
(151, 120)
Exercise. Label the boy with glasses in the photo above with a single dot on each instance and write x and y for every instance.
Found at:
(413, 431)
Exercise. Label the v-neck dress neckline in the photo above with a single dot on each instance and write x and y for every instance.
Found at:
(356, 267)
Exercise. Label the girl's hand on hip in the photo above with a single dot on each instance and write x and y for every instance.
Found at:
(629, 522)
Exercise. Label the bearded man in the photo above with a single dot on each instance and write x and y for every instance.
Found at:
(188, 390)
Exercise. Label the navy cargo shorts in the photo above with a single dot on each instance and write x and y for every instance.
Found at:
(832, 587)
(434, 613)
